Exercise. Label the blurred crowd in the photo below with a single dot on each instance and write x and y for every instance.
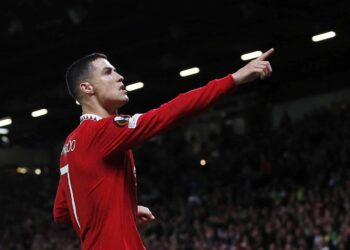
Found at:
(284, 188)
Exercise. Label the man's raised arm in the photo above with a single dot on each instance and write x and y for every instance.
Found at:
(121, 133)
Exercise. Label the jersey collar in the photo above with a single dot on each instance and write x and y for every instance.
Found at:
(92, 117)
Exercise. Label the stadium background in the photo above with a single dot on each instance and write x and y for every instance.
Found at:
(267, 168)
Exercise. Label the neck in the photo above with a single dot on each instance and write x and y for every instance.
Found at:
(89, 108)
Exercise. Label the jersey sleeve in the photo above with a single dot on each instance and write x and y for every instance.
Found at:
(60, 209)
(120, 133)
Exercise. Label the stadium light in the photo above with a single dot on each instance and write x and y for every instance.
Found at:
(6, 121)
(21, 170)
(323, 36)
(5, 139)
(37, 171)
(203, 162)
(251, 55)
(39, 112)
(4, 131)
(188, 72)
(134, 86)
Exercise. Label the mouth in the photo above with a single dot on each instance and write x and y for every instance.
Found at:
(122, 87)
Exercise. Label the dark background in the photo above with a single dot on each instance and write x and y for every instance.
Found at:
(151, 42)
(282, 186)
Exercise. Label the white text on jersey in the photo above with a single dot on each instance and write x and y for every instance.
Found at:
(69, 146)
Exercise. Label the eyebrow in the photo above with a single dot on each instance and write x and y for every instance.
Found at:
(107, 68)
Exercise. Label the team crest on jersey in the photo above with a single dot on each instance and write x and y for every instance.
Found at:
(121, 120)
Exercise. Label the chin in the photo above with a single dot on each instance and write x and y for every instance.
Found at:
(123, 102)
(126, 99)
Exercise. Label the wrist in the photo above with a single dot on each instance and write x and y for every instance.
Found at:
(237, 78)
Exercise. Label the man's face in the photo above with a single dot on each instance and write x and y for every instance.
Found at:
(108, 85)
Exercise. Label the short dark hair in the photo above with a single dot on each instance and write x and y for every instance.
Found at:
(78, 72)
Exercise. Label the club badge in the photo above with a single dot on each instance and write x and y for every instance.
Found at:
(121, 120)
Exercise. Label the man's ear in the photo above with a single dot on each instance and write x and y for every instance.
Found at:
(87, 88)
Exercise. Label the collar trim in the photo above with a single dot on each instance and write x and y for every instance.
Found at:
(90, 117)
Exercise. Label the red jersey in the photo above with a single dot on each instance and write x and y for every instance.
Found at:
(97, 187)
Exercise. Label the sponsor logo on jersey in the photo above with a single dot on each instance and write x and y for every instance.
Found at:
(121, 120)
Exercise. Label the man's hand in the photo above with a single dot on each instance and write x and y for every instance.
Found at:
(254, 69)
(144, 215)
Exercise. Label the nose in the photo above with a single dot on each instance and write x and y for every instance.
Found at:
(120, 78)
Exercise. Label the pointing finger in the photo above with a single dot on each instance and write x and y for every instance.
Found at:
(266, 54)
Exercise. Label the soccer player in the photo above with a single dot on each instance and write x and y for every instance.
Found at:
(97, 187)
